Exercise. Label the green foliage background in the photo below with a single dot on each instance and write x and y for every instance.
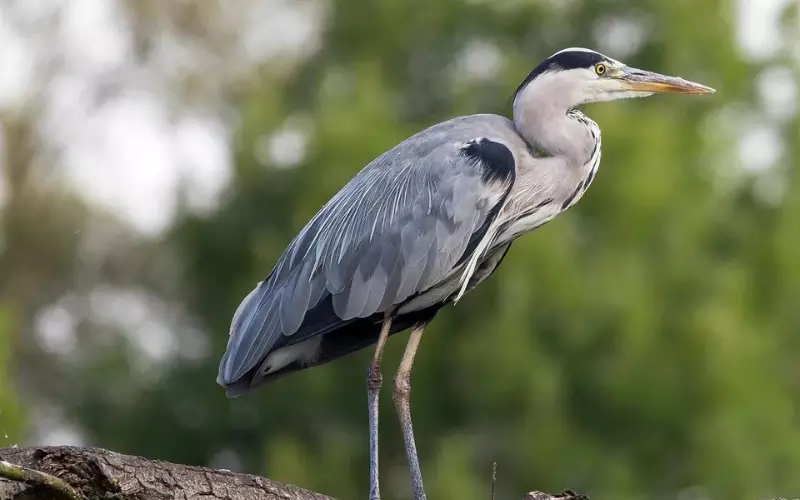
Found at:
(643, 345)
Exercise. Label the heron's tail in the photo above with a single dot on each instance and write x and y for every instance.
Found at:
(249, 306)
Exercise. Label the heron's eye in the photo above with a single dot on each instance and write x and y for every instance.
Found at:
(600, 69)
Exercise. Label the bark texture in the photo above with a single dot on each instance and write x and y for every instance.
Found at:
(95, 473)
(72, 473)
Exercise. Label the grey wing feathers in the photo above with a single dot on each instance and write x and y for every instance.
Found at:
(396, 229)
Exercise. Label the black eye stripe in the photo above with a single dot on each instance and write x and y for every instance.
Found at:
(576, 59)
(566, 60)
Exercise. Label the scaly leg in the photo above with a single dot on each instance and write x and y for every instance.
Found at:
(402, 393)
(374, 381)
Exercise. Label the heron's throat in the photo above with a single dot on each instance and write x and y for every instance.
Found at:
(552, 127)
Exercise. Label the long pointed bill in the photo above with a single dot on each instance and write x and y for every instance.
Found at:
(647, 81)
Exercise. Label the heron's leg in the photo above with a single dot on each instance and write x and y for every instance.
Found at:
(374, 381)
(402, 393)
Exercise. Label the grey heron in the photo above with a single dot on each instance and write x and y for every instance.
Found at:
(424, 223)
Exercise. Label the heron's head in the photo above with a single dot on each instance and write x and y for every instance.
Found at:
(575, 76)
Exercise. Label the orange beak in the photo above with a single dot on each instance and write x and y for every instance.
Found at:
(647, 81)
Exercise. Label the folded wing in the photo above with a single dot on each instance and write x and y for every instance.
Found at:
(401, 225)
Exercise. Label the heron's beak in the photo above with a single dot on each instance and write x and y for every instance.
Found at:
(646, 81)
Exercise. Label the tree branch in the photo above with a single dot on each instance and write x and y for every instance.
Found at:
(35, 479)
(71, 473)
(97, 473)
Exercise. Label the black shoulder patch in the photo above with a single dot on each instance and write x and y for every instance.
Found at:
(495, 159)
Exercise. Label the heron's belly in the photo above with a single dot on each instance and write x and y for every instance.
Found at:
(304, 352)
(434, 295)
(448, 288)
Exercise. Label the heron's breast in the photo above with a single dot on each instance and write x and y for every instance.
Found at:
(528, 220)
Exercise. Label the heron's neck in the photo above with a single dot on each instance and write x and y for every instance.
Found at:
(549, 126)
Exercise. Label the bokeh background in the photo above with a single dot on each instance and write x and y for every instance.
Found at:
(156, 157)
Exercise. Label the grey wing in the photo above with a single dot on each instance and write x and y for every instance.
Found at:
(396, 229)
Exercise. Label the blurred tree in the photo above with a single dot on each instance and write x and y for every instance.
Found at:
(641, 345)
(12, 412)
